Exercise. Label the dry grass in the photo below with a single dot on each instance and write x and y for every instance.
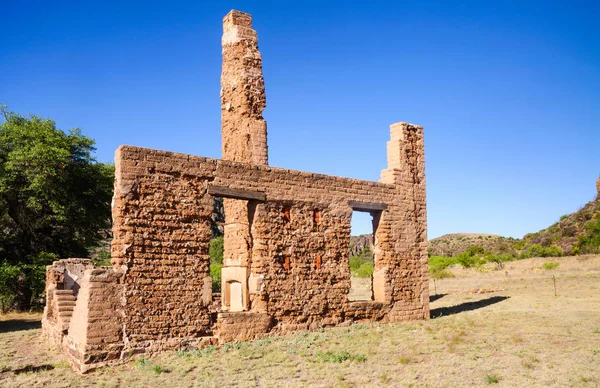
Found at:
(523, 336)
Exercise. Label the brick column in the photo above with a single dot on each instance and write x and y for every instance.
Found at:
(243, 99)
(244, 139)
(406, 170)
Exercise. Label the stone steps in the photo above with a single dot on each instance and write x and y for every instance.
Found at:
(65, 303)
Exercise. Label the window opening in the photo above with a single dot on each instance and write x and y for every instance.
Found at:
(215, 250)
(361, 256)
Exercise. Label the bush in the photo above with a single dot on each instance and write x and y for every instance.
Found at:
(440, 273)
(551, 265)
(475, 250)
(472, 257)
(9, 277)
(437, 263)
(215, 250)
(520, 244)
(589, 242)
(23, 284)
(365, 270)
(537, 250)
(553, 251)
(355, 262)
(215, 274)
(362, 265)
(499, 259)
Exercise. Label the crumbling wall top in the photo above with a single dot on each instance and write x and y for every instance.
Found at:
(237, 18)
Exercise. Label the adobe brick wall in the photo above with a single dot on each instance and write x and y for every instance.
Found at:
(161, 228)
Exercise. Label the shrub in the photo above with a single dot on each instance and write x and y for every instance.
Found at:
(215, 274)
(536, 250)
(9, 277)
(215, 250)
(553, 251)
(365, 270)
(355, 262)
(589, 242)
(362, 265)
(475, 250)
(564, 216)
(551, 265)
(492, 379)
(440, 273)
(441, 262)
(468, 261)
(520, 244)
(499, 259)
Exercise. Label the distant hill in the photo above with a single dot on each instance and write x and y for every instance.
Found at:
(573, 234)
(455, 243)
(448, 244)
(358, 244)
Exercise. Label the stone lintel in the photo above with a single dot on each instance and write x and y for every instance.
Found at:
(367, 206)
(226, 192)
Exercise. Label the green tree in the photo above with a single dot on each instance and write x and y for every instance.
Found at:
(54, 197)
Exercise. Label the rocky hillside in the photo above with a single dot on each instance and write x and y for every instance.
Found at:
(455, 243)
(359, 243)
(574, 233)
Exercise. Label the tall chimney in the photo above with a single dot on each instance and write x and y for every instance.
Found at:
(243, 99)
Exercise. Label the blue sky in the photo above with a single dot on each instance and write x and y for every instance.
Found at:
(508, 91)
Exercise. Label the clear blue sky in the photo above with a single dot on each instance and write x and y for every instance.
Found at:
(508, 92)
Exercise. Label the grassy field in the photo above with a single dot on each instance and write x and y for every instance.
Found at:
(517, 335)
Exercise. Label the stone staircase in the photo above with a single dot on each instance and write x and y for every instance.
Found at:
(65, 303)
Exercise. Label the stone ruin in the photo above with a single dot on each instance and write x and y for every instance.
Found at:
(286, 239)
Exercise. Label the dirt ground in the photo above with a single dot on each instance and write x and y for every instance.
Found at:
(514, 333)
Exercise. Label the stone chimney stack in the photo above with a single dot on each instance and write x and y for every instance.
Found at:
(243, 99)
(405, 155)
